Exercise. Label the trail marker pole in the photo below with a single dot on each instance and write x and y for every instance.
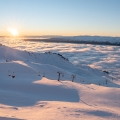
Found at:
(73, 77)
(59, 73)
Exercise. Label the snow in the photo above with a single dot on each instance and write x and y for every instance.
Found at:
(35, 92)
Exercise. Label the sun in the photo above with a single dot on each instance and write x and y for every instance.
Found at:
(13, 32)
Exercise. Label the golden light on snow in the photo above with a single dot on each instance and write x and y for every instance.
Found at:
(13, 32)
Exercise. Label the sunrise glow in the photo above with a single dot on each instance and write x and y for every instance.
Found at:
(13, 32)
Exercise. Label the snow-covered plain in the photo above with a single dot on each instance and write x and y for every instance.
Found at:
(35, 93)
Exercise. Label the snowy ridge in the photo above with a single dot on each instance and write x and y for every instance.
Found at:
(29, 88)
(47, 64)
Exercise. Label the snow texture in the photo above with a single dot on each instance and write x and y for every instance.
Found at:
(29, 88)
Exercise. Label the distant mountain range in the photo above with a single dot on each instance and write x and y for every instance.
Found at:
(101, 40)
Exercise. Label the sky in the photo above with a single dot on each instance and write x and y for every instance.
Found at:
(60, 17)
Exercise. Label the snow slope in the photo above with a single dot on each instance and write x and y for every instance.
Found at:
(29, 88)
(47, 64)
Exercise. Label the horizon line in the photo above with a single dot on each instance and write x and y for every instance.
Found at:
(59, 36)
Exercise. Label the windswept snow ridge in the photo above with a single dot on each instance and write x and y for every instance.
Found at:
(36, 86)
(48, 64)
